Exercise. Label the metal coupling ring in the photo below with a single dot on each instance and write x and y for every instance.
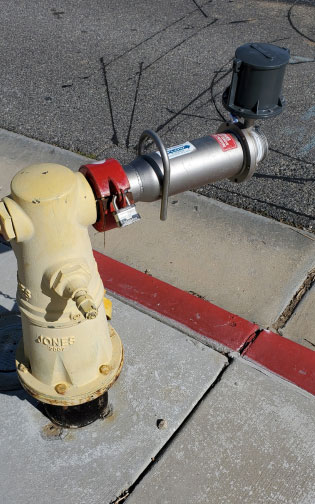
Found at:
(249, 149)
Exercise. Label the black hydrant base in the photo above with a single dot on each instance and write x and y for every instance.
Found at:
(73, 417)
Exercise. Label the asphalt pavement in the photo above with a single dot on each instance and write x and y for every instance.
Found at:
(91, 77)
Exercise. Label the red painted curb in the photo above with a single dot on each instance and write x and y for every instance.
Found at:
(284, 357)
(195, 313)
(280, 355)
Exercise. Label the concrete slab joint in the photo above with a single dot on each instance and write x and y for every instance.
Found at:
(295, 301)
(249, 451)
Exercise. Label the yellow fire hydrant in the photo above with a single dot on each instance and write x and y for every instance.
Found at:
(68, 355)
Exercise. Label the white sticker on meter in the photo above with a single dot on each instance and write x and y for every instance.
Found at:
(179, 150)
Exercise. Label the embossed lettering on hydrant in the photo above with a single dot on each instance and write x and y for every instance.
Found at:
(55, 344)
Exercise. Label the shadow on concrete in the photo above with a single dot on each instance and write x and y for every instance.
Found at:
(4, 245)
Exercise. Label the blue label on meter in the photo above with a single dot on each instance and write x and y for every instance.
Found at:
(180, 150)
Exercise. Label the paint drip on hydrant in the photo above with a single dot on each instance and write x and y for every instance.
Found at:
(68, 355)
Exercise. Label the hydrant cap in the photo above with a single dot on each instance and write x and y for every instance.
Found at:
(42, 182)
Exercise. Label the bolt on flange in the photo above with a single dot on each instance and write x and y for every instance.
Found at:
(23, 368)
(105, 369)
(61, 388)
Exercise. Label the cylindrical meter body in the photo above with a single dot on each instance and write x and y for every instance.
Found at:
(66, 337)
(193, 164)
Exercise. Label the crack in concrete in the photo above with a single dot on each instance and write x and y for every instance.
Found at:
(127, 492)
(295, 301)
(250, 340)
(310, 342)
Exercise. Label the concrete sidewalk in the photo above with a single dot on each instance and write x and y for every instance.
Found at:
(252, 266)
(95, 464)
(244, 444)
(234, 431)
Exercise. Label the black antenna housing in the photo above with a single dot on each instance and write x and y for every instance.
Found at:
(256, 87)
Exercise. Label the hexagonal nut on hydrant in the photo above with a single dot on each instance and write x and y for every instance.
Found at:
(105, 369)
(23, 368)
(61, 388)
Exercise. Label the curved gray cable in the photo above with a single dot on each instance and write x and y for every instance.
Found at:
(166, 166)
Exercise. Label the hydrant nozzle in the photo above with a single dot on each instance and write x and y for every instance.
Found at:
(86, 305)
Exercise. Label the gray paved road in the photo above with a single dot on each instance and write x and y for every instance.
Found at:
(90, 76)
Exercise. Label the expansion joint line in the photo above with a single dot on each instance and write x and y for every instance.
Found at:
(127, 492)
(250, 340)
(295, 301)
